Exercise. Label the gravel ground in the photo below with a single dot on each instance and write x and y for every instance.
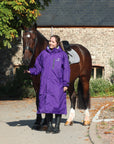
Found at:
(105, 130)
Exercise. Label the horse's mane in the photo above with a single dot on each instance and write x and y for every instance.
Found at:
(41, 44)
(41, 41)
(40, 35)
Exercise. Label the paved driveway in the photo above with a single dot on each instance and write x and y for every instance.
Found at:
(17, 118)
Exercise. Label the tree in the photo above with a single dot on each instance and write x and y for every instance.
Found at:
(14, 13)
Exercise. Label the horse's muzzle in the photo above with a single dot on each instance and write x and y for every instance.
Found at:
(25, 61)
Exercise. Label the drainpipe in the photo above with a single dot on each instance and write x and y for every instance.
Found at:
(51, 30)
(95, 72)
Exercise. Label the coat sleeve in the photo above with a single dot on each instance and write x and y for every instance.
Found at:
(66, 71)
(37, 68)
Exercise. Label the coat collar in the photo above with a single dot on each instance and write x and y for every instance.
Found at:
(55, 50)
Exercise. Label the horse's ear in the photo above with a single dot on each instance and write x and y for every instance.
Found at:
(35, 26)
(23, 27)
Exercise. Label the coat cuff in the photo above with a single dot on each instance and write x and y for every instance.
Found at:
(66, 84)
(31, 70)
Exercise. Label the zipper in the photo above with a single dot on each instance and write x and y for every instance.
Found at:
(53, 63)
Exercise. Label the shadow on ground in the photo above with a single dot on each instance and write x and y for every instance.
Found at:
(30, 123)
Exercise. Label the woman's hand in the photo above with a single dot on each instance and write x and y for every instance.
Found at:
(26, 71)
(65, 89)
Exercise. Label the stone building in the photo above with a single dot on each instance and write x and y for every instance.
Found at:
(86, 22)
(99, 41)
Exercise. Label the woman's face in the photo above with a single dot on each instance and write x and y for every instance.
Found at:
(52, 43)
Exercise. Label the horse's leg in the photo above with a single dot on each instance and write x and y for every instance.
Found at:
(37, 124)
(72, 95)
(87, 103)
(84, 98)
(41, 125)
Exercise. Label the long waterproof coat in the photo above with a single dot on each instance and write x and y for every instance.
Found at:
(55, 74)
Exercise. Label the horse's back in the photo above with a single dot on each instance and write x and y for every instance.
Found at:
(80, 49)
(85, 59)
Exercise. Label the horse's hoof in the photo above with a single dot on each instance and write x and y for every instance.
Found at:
(36, 127)
(44, 127)
(68, 123)
(86, 123)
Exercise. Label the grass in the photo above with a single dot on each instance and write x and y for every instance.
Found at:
(111, 109)
(99, 137)
(111, 128)
(103, 123)
(111, 94)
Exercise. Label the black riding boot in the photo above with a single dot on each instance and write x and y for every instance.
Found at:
(49, 123)
(37, 124)
(44, 124)
(57, 123)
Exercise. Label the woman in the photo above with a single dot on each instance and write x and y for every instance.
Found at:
(53, 65)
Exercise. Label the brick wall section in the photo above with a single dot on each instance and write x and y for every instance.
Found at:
(99, 41)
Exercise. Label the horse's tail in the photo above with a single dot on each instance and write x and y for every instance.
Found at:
(82, 103)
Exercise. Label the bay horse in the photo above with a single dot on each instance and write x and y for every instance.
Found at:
(33, 43)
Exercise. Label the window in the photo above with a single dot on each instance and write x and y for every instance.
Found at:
(97, 72)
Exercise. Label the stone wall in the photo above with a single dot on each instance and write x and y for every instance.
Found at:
(10, 59)
(99, 41)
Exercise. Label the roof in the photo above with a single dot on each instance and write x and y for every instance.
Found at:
(78, 13)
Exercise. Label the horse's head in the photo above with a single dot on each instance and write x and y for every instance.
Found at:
(29, 44)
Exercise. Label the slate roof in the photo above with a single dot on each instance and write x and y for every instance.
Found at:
(78, 13)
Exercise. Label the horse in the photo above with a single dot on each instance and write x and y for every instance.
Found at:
(33, 43)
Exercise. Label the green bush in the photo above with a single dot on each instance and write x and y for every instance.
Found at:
(112, 75)
(111, 89)
(76, 85)
(100, 87)
(20, 87)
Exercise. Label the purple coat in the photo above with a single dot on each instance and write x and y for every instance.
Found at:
(55, 74)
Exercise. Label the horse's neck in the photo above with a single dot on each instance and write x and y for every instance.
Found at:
(42, 43)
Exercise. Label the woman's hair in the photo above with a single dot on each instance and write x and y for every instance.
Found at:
(57, 38)
(58, 41)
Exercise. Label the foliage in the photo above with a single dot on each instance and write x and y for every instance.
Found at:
(101, 87)
(20, 87)
(112, 75)
(14, 13)
(76, 85)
